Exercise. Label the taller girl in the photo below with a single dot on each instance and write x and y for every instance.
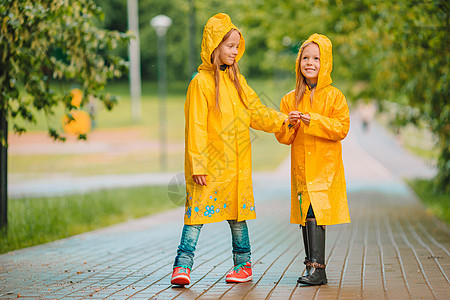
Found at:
(319, 120)
(220, 107)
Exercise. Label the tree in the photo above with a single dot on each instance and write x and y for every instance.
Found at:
(43, 42)
(400, 48)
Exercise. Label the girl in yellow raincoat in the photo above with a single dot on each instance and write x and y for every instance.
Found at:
(219, 110)
(319, 120)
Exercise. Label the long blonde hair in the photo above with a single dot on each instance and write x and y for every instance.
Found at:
(233, 72)
(300, 85)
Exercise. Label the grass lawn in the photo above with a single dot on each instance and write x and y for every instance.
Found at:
(40, 220)
(437, 204)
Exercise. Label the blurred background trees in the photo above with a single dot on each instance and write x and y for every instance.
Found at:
(45, 43)
(391, 52)
(400, 49)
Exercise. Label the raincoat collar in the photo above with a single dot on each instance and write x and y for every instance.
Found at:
(326, 59)
(215, 29)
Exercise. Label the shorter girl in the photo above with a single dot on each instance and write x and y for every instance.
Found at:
(319, 120)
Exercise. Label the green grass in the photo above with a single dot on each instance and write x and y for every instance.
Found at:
(40, 220)
(438, 204)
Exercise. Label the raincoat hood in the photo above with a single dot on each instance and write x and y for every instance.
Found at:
(215, 29)
(326, 59)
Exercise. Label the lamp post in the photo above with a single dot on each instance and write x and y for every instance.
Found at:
(135, 60)
(161, 23)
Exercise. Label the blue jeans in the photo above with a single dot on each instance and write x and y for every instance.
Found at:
(239, 237)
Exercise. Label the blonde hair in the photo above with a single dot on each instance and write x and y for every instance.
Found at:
(300, 85)
(233, 71)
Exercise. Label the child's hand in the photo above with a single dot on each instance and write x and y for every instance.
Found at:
(306, 118)
(199, 179)
(294, 116)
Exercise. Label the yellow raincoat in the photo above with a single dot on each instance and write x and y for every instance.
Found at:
(317, 171)
(218, 144)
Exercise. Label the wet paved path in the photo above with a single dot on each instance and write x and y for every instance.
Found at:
(393, 249)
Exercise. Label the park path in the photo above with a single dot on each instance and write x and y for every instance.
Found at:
(393, 249)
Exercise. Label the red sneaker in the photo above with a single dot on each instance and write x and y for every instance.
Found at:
(240, 273)
(181, 276)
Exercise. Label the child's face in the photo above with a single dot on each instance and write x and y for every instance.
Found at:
(310, 63)
(228, 50)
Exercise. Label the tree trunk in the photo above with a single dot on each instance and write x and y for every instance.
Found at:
(3, 170)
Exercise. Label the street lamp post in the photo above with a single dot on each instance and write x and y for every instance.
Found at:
(161, 23)
(135, 60)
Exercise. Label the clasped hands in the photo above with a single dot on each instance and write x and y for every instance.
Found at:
(296, 116)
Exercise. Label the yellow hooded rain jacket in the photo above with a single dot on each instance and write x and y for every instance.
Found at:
(218, 144)
(317, 171)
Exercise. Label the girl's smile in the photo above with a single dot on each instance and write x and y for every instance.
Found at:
(310, 63)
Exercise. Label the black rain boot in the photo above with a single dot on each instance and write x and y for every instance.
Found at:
(316, 241)
(307, 257)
